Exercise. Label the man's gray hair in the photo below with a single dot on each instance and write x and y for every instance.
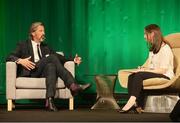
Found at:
(33, 28)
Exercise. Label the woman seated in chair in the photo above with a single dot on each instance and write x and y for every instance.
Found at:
(160, 65)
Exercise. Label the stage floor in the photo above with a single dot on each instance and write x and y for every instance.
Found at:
(39, 114)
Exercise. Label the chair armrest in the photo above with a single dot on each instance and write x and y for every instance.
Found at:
(11, 72)
(70, 66)
(123, 77)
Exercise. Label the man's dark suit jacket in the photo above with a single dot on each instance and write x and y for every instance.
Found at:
(24, 50)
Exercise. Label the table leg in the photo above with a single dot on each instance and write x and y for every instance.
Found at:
(105, 89)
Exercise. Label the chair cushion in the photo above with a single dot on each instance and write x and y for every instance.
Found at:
(155, 81)
(26, 82)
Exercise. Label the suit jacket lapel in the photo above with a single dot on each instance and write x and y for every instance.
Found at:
(44, 50)
(31, 50)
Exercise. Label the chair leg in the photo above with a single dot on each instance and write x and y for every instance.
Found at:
(71, 103)
(13, 105)
(9, 105)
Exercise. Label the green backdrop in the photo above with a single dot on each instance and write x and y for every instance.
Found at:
(107, 34)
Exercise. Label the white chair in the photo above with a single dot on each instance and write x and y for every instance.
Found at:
(33, 88)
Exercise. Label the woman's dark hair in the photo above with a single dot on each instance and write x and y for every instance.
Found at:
(157, 40)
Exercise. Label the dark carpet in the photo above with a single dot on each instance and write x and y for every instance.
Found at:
(78, 115)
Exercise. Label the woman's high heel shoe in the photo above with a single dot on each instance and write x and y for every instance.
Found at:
(139, 110)
(133, 108)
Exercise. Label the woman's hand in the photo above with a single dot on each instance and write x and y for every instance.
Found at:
(144, 69)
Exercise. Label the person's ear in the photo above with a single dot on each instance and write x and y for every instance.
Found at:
(32, 34)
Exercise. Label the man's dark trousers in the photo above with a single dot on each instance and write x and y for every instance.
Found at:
(51, 68)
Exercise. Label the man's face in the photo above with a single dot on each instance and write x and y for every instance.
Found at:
(39, 35)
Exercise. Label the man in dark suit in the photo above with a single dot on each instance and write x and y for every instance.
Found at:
(36, 59)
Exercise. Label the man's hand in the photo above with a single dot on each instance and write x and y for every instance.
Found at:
(26, 63)
(77, 60)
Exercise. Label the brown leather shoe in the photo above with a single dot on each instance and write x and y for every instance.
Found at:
(50, 104)
(75, 88)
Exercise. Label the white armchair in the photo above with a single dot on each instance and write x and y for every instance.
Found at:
(33, 88)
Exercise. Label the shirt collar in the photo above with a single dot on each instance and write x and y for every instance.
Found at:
(35, 43)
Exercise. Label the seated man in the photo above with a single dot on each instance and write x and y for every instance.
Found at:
(36, 59)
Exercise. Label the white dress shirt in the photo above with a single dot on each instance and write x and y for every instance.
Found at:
(35, 51)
